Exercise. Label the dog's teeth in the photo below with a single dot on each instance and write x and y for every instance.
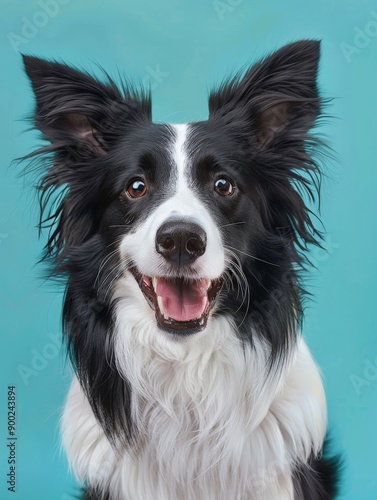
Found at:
(159, 302)
(208, 283)
(154, 283)
(161, 307)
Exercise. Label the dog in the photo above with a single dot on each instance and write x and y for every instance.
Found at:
(183, 248)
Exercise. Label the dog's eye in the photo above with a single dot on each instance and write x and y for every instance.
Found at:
(136, 188)
(224, 186)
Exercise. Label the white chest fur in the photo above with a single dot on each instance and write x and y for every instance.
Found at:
(214, 423)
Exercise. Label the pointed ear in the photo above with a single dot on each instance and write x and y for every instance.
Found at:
(276, 95)
(75, 109)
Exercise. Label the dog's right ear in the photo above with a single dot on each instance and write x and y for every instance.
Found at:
(83, 118)
(73, 109)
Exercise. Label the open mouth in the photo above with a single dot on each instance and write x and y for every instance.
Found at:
(181, 305)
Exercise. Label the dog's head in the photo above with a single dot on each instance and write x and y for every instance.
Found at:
(199, 214)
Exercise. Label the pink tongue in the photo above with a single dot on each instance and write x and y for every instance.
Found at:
(182, 301)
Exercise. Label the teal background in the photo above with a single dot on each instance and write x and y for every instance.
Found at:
(182, 48)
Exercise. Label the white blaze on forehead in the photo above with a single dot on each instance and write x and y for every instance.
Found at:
(139, 246)
(179, 154)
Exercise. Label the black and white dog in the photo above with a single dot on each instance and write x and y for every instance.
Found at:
(182, 247)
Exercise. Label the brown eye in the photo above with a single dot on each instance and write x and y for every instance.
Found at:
(224, 186)
(136, 188)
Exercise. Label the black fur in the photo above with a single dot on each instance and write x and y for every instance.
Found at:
(319, 478)
(91, 494)
(102, 136)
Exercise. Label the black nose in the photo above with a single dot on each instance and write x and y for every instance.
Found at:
(180, 241)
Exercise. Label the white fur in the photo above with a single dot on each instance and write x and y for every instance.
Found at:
(179, 155)
(214, 423)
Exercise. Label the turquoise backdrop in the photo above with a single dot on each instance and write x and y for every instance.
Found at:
(180, 49)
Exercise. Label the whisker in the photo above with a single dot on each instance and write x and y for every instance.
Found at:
(232, 224)
(236, 269)
(117, 275)
(241, 290)
(112, 270)
(261, 284)
(118, 269)
(251, 256)
(241, 282)
(103, 263)
(232, 264)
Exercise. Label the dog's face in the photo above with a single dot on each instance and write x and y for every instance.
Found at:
(185, 210)
(174, 248)
(199, 215)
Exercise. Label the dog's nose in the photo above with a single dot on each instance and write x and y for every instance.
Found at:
(180, 241)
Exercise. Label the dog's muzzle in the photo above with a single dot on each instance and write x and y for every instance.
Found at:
(181, 299)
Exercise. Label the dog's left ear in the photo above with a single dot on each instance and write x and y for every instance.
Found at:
(276, 95)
